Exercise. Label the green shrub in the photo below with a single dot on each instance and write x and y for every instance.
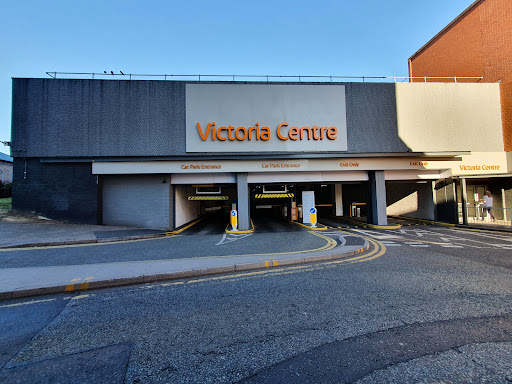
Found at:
(6, 190)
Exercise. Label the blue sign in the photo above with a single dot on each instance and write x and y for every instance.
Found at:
(233, 213)
(312, 210)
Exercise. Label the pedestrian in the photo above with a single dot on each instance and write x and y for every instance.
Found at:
(487, 200)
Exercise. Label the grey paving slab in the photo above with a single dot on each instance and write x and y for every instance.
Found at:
(16, 234)
(33, 278)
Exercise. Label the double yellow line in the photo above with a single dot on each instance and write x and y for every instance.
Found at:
(378, 250)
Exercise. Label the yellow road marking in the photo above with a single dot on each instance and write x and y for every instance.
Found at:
(80, 245)
(378, 254)
(172, 233)
(85, 285)
(378, 247)
(225, 277)
(379, 250)
(240, 232)
(308, 227)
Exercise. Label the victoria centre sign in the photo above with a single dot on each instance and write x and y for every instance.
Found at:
(265, 118)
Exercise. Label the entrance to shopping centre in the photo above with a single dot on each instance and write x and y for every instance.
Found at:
(500, 189)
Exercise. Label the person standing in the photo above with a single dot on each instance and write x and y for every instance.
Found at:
(487, 200)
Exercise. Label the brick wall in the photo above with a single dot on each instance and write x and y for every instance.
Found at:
(478, 44)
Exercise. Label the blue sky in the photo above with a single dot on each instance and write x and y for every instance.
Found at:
(323, 37)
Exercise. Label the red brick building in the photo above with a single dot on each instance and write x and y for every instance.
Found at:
(478, 43)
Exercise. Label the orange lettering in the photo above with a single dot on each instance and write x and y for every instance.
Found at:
(302, 132)
(243, 130)
(265, 133)
(293, 133)
(279, 131)
(218, 134)
(251, 129)
(201, 132)
(230, 129)
(331, 132)
(315, 130)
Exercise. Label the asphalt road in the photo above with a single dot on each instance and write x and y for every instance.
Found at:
(435, 307)
(205, 239)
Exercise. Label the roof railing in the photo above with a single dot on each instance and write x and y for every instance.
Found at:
(259, 78)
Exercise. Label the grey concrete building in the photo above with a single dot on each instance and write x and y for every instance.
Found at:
(159, 154)
(5, 169)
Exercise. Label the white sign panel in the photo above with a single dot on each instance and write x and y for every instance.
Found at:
(265, 118)
(308, 203)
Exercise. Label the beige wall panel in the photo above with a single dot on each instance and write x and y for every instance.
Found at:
(185, 210)
(449, 117)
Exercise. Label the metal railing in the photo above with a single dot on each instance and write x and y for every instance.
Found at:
(260, 78)
(477, 215)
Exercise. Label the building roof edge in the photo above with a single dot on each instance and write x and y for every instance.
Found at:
(440, 33)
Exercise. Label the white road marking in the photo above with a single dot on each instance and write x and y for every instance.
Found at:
(503, 237)
(451, 238)
(413, 232)
(27, 303)
(232, 237)
(391, 244)
(416, 244)
(377, 235)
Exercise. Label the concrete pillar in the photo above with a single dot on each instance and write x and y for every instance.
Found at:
(504, 204)
(464, 199)
(377, 198)
(172, 204)
(455, 203)
(338, 200)
(434, 198)
(242, 188)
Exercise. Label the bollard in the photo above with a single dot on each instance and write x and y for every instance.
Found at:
(234, 220)
(312, 217)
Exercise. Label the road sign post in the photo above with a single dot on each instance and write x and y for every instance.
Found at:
(234, 220)
(312, 217)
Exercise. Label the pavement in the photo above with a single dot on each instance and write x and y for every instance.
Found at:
(46, 257)
(40, 257)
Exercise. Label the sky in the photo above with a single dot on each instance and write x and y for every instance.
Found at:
(322, 37)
